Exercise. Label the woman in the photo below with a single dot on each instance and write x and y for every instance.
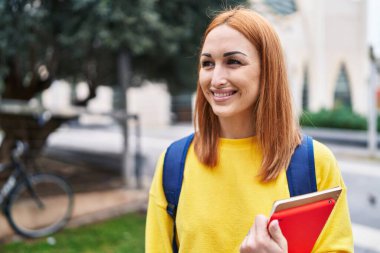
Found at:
(245, 135)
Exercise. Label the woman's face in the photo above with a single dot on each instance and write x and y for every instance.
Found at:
(230, 73)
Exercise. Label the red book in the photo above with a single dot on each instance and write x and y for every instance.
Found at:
(303, 217)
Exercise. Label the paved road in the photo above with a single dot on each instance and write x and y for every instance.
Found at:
(361, 174)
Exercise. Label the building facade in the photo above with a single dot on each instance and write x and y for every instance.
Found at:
(326, 48)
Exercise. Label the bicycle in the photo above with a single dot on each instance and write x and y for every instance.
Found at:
(35, 205)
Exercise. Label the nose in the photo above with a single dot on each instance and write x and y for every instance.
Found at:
(219, 77)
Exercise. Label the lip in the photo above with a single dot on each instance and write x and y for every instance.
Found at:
(222, 95)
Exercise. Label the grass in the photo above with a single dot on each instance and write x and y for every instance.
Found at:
(122, 234)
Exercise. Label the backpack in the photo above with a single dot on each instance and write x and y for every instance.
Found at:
(300, 173)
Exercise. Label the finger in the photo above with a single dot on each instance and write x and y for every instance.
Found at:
(276, 234)
(260, 227)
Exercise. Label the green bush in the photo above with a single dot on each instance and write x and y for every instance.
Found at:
(342, 118)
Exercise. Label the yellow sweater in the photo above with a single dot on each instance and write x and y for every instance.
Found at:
(218, 205)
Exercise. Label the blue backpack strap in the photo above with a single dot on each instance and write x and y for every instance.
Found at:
(301, 171)
(174, 163)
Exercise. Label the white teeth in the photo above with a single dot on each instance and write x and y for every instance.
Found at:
(223, 94)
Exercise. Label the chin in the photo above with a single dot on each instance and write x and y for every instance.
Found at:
(222, 113)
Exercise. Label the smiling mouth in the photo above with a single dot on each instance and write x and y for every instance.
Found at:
(220, 96)
(223, 94)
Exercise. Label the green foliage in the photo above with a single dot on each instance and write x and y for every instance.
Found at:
(188, 20)
(123, 234)
(338, 118)
(80, 40)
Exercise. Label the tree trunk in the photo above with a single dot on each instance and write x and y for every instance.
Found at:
(22, 124)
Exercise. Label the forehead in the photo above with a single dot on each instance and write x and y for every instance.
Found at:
(225, 38)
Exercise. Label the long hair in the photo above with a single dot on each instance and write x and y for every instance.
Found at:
(276, 126)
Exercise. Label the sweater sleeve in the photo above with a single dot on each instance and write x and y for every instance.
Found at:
(159, 224)
(337, 233)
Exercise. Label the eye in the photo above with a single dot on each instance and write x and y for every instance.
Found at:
(233, 62)
(207, 64)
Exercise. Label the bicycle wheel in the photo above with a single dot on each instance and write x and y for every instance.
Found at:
(41, 209)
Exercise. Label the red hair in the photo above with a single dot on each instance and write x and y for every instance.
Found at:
(275, 123)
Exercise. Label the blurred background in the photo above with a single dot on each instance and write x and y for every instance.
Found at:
(99, 89)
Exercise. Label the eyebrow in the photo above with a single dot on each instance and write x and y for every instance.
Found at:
(232, 53)
(225, 54)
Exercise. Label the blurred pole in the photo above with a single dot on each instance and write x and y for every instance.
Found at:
(124, 77)
(138, 154)
(372, 112)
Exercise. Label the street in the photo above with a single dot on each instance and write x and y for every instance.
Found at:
(361, 174)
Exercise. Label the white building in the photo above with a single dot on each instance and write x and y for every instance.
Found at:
(326, 43)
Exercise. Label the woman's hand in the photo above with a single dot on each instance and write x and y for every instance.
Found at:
(260, 240)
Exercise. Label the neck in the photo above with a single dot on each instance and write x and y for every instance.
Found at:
(237, 128)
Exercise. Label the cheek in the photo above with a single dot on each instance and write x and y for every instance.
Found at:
(203, 82)
(254, 91)
(251, 90)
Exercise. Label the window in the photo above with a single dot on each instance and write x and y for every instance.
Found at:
(342, 94)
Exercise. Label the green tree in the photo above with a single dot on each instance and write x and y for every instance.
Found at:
(43, 40)
(178, 68)
(73, 40)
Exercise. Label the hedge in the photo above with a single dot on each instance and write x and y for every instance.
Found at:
(342, 118)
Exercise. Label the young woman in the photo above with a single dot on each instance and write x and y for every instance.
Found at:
(245, 135)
